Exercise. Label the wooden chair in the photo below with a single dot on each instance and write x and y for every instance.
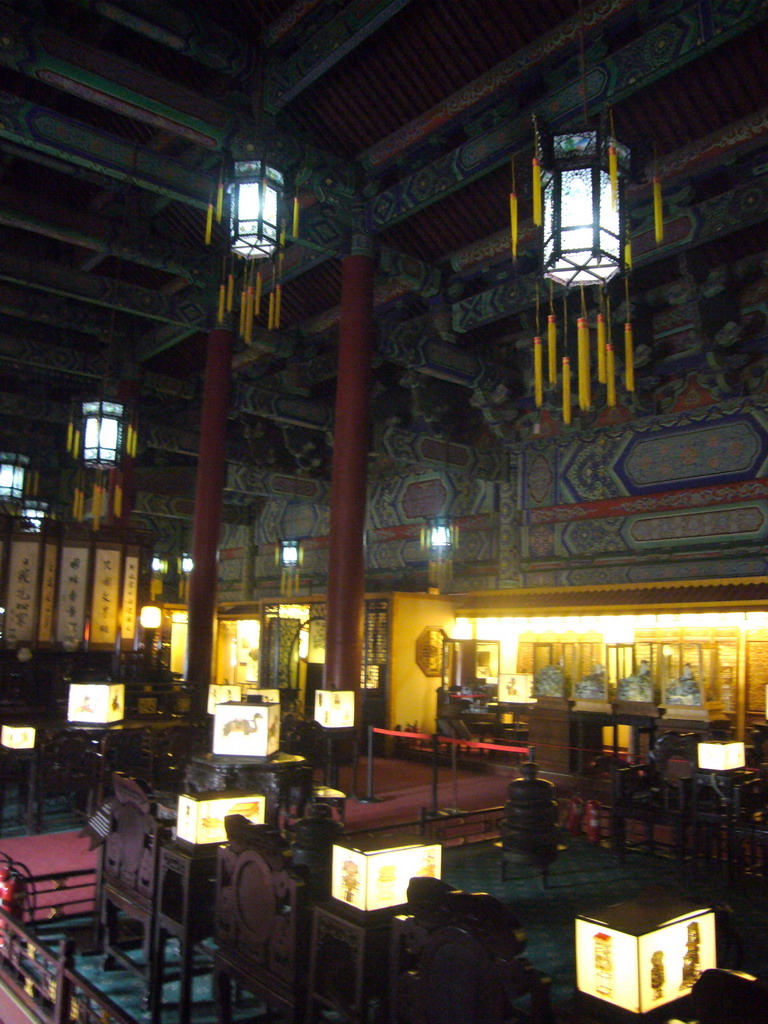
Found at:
(172, 749)
(456, 957)
(656, 795)
(66, 764)
(262, 921)
(719, 996)
(128, 876)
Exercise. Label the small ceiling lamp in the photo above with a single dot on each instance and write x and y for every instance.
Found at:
(440, 538)
(150, 616)
(582, 181)
(13, 470)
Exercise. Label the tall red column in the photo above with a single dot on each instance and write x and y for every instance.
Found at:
(346, 568)
(206, 525)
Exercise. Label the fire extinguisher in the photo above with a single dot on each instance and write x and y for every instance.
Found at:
(575, 815)
(13, 892)
(592, 816)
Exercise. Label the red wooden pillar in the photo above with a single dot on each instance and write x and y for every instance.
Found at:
(346, 568)
(206, 524)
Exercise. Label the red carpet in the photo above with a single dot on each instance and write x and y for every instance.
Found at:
(404, 788)
(49, 854)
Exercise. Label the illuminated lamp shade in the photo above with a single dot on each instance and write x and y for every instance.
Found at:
(223, 694)
(638, 956)
(255, 191)
(721, 755)
(290, 553)
(372, 872)
(13, 469)
(200, 817)
(246, 730)
(18, 737)
(335, 709)
(150, 617)
(96, 703)
(265, 696)
(583, 230)
(34, 511)
(103, 432)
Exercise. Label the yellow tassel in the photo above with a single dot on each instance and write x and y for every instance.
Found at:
(566, 390)
(629, 358)
(76, 444)
(536, 193)
(257, 297)
(243, 305)
(628, 253)
(613, 172)
(278, 305)
(222, 301)
(513, 222)
(219, 201)
(610, 376)
(552, 348)
(295, 228)
(537, 372)
(117, 502)
(248, 324)
(585, 396)
(70, 434)
(601, 348)
(209, 224)
(134, 442)
(658, 213)
(230, 291)
(271, 312)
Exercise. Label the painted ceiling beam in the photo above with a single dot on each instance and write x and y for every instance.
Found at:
(290, 409)
(35, 48)
(552, 46)
(683, 37)
(412, 450)
(63, 359)
(108, 293)
(105, 236)
(182, 29)
(287, 79)
(47, 131)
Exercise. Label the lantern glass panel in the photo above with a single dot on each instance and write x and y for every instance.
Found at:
(335, 709)
(254, 222)
(18, 737)
(200, 817)
(96, 703)
(11, 477)
(721, 756)
(246, 730)
(290, 553)
(374, 874)
(218, 694)
(640, 956)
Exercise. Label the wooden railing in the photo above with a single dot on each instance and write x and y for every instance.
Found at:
(45, 982)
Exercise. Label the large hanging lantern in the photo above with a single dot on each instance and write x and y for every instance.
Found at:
(289, 556)
(440, 538)
(582, 181)
(13, 469)
(255, 202)
(103, 430)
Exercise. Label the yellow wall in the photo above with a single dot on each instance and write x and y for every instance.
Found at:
(413, 698)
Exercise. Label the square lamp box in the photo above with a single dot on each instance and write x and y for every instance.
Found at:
(721, 755)
(373, 872)
(335, 709)
(200, 818)
(263, 696)
(18, 737)
(246, 730)
(96, 703)
(638, 956)
(222, 693)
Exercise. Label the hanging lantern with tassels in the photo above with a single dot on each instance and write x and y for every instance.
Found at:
(584, 229)
(440, 539)
(289, 556)
(100, 433)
